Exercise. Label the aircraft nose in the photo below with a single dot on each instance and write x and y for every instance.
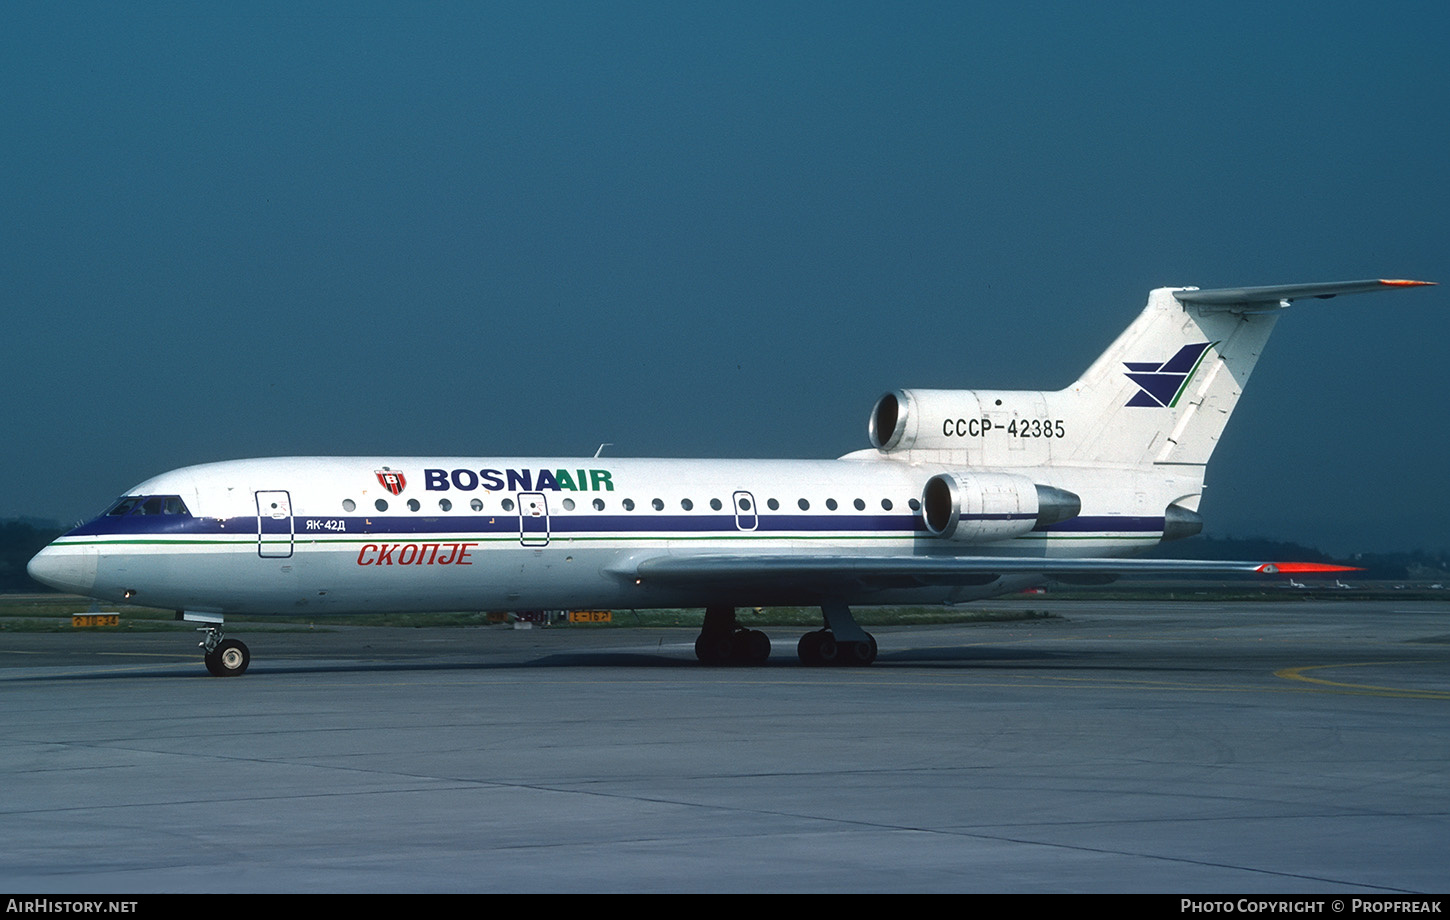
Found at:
(65, 568)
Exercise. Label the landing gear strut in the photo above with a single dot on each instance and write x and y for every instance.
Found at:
(723, 640)
(224, 657)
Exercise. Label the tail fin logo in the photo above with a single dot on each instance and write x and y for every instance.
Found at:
(1161, 385)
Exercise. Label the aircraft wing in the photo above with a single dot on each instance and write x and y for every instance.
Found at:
(825, 575)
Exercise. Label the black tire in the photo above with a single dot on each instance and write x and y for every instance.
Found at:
(714, 648)
(756, 647)
(828, 650)
(229, 659)
(860, 653)
(807, 649)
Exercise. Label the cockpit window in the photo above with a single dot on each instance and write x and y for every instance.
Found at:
(148, 504)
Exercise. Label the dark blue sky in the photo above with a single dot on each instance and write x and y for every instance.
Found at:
(696, 230)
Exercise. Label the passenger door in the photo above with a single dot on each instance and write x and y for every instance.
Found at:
(745, 517)
(274, 525)
(533, 519)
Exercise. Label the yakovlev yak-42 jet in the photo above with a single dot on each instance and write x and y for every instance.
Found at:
(963, 494)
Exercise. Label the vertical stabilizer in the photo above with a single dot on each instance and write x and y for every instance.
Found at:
(1163, 392)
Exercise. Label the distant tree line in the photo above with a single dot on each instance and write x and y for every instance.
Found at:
(21, 538)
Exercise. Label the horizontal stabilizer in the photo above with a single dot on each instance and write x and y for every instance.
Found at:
(1280, 295)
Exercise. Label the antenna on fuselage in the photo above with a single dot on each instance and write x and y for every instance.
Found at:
(601, 448)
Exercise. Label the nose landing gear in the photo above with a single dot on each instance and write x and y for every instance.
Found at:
(224, 657)
(229, 658)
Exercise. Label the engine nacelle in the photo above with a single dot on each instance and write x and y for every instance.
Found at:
(958, 419)
(982, 507)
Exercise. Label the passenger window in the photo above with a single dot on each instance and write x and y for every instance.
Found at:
(413, 504)
(568, 504)
(860, 505)
(687, 504)
(804, 505)
(885, 504)
(831, 504)
(381, 505)
(772, 504)
(476, 504)
(598, 504)
(508, 504)
(715, 504)
(657, 505)
(445, 505)
(349, 505)
(629, 504)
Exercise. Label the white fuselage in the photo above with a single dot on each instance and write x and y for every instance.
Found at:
(320, 535)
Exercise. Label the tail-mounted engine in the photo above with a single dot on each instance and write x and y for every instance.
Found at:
(982, 507)
(904, 420)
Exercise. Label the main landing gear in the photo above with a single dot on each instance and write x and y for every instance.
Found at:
(723, 640)
(224, 657)
(843, 641)
(822, 648)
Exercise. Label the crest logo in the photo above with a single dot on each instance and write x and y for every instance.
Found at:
(1160, 385)
(392, 480)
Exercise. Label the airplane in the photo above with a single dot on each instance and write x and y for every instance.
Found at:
(963, 494)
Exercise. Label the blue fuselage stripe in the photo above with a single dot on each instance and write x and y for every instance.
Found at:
(572, 524)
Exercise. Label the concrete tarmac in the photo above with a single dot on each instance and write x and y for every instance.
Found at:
(1183, 748)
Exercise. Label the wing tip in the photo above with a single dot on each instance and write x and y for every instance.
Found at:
(1405, 282)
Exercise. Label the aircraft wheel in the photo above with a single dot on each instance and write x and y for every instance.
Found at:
(861, 653)
(828, 650)
(807, 649)
(756, 647)
(229, 659)
(714, 648)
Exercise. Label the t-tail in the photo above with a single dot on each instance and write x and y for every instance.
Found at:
(1163, 392)
(1154, 405)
